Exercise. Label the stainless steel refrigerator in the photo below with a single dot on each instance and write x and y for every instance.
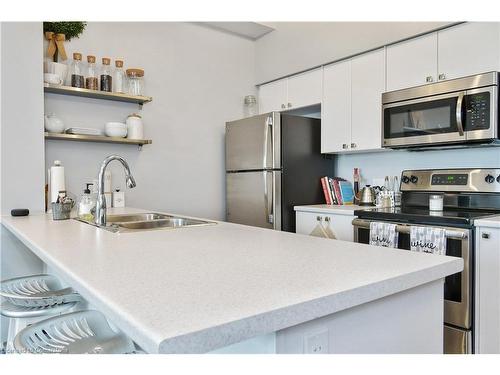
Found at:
(273, 163)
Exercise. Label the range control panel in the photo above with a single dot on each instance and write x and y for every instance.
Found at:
(477, 180)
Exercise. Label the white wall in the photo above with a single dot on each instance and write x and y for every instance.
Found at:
(22, 145)
(297, 46)
(391, 163)
(22, 177)
(197, 78)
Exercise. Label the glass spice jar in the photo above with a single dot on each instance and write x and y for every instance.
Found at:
(135, 81)
(119, 78)
(76, 71)
(91, 81)
(106, 78)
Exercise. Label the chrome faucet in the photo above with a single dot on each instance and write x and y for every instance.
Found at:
(100, 207)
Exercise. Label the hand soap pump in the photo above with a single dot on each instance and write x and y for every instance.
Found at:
(86, 205)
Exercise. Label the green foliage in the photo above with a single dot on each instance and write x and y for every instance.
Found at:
(70, 29)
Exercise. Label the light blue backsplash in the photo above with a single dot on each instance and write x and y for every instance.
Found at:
(376, 165)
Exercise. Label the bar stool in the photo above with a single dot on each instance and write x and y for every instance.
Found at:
(80, 332)
(27, 300)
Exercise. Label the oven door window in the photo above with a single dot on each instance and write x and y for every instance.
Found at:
(453, 283)
(421, 118)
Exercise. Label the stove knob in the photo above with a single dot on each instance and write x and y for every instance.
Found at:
(414, 179)
(406, 179)
(489, 179)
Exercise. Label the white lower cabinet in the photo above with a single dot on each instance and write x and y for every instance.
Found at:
(339, 224)
(487, 290)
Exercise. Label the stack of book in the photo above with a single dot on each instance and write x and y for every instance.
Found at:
(337, 190)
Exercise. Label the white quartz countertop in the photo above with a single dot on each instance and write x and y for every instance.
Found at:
(193, 290)
(333, 209)
(490, 222)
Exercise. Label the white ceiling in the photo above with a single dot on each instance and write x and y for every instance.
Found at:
(250, 30)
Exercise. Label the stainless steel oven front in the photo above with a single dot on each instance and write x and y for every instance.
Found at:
(458, 288)
(450, 112)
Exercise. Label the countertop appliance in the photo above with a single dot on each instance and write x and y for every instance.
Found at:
(469, 194)
(273, 163)
(461, 111)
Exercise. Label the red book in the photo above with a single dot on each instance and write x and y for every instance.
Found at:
(338, 193)
(326, 192)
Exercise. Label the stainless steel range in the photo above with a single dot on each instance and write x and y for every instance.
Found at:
(468, 194)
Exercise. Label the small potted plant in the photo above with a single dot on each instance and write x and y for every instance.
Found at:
(59, 32)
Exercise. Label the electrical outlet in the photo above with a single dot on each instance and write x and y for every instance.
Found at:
(316, 343)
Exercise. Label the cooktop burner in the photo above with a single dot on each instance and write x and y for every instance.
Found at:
(423, 215)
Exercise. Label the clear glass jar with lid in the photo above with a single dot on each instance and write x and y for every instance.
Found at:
(106, 75)
(250, 107)
(76, 72)
(135, 81)
(119, 77)
(91, 81)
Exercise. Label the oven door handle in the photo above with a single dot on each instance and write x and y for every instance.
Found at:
(458, 113)
(455, 234)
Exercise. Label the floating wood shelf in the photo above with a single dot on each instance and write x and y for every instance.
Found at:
(74, 91)
(96, 138)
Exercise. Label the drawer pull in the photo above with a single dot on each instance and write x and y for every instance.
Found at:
(485, 235)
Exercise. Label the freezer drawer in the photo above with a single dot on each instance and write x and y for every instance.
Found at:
(253, 198)
(457, 341)
(253, 143)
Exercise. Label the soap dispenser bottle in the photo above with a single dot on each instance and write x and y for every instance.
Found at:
(86, 205)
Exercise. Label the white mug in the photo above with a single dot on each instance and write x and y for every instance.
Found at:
(52, 78)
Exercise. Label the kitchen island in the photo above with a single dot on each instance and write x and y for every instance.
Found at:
(200, 289)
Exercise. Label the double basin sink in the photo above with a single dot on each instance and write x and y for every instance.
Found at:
(147, 221)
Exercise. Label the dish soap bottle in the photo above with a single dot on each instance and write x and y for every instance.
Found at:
(86, 205)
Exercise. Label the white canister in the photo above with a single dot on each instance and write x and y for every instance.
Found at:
(135, 127)
(436, 202)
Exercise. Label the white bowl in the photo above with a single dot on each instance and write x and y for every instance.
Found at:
(115, 129)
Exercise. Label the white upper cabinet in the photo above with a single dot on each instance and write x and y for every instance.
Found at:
(351, 108)
(467, 49)
(273, 96)
(336, 107)
(367, 86)
(300, 90)
(412, 62)
(304, 89)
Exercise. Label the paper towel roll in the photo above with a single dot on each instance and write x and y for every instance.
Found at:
(56, 180)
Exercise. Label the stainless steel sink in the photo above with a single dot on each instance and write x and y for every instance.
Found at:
(147, 221)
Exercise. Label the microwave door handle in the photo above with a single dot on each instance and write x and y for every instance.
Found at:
(458, 114)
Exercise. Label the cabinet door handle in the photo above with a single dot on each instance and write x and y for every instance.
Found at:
(429, 79)
(283, 106)
(353, 145)
(442, 76)
(319, 218)
(327, 219)
(344, 146)
(485, 236)
(289, 105)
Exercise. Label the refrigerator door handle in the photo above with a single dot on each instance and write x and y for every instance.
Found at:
(268, 141)
(269, 198)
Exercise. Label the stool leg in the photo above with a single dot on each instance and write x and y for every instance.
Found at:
(11, 333)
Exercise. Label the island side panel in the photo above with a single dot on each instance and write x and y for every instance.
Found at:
(406, 322)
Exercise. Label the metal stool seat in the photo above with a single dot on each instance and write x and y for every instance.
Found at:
(10, 310)
(36, 291)
(26, 300)
(81, 332)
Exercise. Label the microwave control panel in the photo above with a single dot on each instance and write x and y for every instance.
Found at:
(478, 111)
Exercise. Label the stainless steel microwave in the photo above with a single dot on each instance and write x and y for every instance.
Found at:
(454, 112)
